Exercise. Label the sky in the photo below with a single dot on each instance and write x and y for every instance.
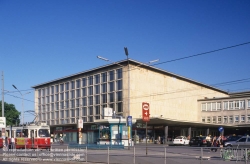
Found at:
(44, 40)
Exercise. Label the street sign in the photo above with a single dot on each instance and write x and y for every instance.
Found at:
(145, 111)
(220, 129)
(129, 120)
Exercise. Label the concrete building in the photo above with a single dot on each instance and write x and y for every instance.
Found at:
(175, 101)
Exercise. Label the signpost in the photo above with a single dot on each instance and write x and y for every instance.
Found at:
(221, 129)
(129, 123)
(146, 118)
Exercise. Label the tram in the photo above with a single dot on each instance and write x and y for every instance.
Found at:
(30, 136)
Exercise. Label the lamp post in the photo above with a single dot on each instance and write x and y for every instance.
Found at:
(22, 102)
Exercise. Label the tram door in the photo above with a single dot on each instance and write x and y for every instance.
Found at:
(32, 138)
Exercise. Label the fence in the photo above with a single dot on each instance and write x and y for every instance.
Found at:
(139, 154)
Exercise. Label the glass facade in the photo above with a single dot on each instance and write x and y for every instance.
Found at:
(83, 97)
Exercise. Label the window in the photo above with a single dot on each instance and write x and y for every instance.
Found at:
(97, 89)
(84, 92)
(77, 103)
(231, 105)
(52, 115)
(67, 86)
(67, 104)
(119, 107)
(90, 80)
(47, 100)
(61, 87)
(52, 107)
(90, 98)
(104, 98)
(90, 110)
(111, 86)
(237, 105)
(218, 106)
(72, 84)
(78, 93)
(111, 97)
(219, 119)
(62, 114)
(203, 119)
(52, 89)
(47, 90)
(230, 119)
(119, 96)
(97, 99)
(72, 112)
(84, 101)
(119, 73)
(208, 119)
(119, 85)
(111, 75)
(203, 106)
(73, 94)
(39, 92)
(242, 118)
(62, 105)
(84, 111)
(214, 106)
(57, 88)
(225, 105)
(66, 113)
(97, 79)
(67, 95)
(104, 77)
(248, 103)
(61, 96)
(97, 110)
(248, 118)
(84, 82)
(242, 104)
(214, 119)
(236, 119)
(104, 88)
(208, 106)
(72, 103)
(90, 89)
(52, 98)
(78, 84)
(225, 119)
(57, 106)
(57, 97)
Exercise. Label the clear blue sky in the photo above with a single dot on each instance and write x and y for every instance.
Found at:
(43, 40)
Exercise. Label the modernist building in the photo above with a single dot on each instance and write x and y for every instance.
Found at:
(178, 105)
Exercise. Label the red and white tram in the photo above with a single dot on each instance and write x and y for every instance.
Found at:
(30, 136)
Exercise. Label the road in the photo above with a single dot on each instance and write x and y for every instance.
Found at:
(138, 155)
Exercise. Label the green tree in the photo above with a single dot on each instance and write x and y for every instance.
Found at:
(11, 114)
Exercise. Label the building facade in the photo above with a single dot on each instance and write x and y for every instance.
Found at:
(123, 86)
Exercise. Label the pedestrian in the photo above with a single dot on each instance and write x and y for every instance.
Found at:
(208, 140)
(12, 142)
(214, 144)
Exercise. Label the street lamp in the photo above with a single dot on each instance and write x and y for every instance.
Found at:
(22, 102)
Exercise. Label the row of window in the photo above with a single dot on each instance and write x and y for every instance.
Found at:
(226, 119)
(85, 101)
(72, 120)
(84, 82)
(79, 112)
(227, 105)
(97, 89)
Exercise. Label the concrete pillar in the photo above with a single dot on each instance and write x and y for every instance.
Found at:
(189, 132)
(207, 131)
(166, 134)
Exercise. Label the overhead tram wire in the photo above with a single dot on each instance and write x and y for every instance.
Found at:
(208, 52)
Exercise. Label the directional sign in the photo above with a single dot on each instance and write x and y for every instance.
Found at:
(220, 129)
(129, 120)
(145, 111)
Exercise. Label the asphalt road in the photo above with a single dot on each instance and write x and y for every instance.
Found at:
(140, 154)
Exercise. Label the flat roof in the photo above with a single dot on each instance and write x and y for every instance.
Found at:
(124, 62)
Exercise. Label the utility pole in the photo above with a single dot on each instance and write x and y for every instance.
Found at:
(2, 96)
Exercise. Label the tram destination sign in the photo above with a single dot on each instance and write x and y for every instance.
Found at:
(145, 112)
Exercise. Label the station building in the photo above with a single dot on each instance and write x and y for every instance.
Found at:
(178, 105)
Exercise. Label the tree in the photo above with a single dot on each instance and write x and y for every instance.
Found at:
(11, 114)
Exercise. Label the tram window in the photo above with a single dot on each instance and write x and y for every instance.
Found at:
(43, 133)
(35, 133)
(18, 133)
(0, 133)
(25, 133)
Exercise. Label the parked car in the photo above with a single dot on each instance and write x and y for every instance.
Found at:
(198, 141)
(181, 140)
(242, 142)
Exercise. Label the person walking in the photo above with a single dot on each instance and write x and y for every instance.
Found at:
(12, 142)
(214, 144)
(208, 140)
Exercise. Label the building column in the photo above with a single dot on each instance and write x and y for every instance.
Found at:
(166, 134)
(189, 132)
(207, 131)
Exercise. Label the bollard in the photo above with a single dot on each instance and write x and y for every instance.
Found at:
(108, 155)
(165, 155)
(86, 154)
(201, 157)
(134, 155)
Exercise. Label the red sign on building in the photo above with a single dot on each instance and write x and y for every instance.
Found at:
(145, 112)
